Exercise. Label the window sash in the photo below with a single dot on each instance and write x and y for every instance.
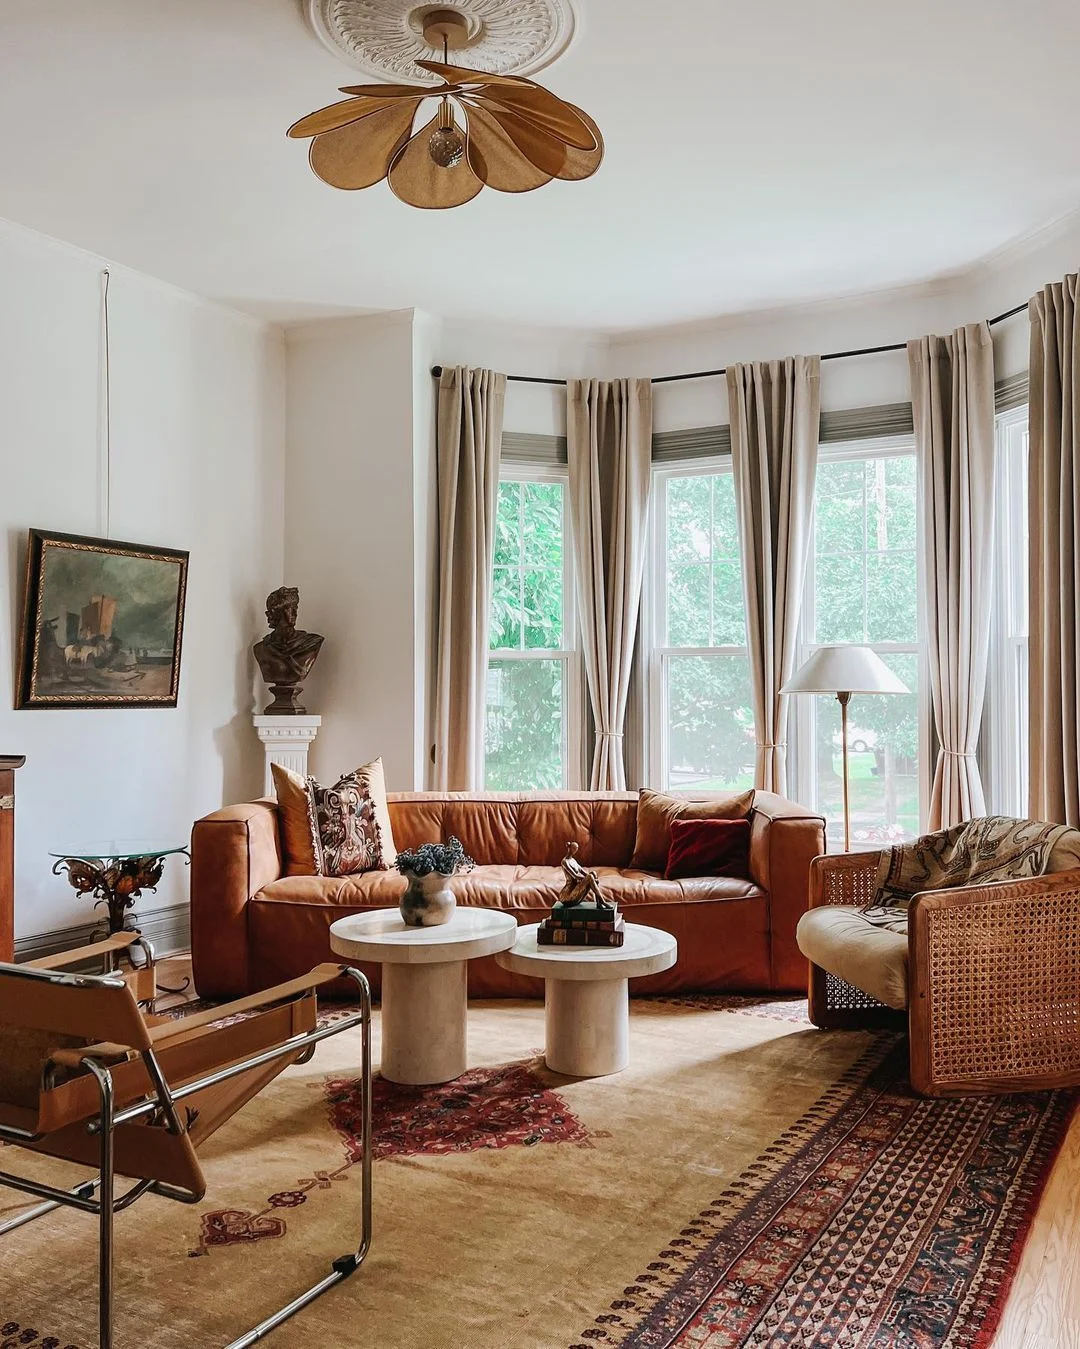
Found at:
(655, 615)
(569, 654)
(803, 709)
(1005, 722)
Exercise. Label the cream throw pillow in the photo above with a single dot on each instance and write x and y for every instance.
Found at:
(299, 827)
(655, 812)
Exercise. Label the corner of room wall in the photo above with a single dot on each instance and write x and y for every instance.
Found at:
(350, 534)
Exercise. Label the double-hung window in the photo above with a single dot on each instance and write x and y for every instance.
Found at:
(862, 587)
(1006, 716)
(701, 718)
(532, 725)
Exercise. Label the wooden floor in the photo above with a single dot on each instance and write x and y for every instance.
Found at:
(1043, 1310)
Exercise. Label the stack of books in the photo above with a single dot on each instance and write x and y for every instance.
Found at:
(581, 925)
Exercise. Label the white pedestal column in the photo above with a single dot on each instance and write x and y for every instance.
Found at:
(285, 741)
(424, 1008)
(587, 1026)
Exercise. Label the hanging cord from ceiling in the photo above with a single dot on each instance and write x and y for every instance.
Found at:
(105, 419)
(437, 370)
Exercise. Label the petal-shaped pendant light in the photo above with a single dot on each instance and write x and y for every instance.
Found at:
(513, 135)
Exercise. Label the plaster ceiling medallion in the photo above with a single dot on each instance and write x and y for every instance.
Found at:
(489, 130)
(386, 37)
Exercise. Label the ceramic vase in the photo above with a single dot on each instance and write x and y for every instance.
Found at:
(428, 900)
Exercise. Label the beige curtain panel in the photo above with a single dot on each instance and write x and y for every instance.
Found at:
(952, 399)
(1054, 552)
(775, 415)
(609, 446)
(469, 438)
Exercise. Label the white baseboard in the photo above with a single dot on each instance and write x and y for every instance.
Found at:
(169, 930)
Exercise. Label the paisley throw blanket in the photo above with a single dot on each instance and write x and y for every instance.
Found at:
(994, 848)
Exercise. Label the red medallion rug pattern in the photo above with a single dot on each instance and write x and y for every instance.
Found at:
(880, 1219)
(501, 1107)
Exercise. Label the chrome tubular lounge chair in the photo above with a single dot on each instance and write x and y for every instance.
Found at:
(86, 1077)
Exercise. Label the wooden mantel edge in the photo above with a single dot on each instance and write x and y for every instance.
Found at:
(12, 761)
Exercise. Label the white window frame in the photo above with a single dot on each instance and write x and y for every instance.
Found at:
(1005, 721)
(802, 709)
(659, 652)
(573, 739)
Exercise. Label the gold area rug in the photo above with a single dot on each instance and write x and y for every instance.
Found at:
(747, 1181)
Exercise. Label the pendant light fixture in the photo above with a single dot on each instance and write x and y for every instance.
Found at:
(498, 131)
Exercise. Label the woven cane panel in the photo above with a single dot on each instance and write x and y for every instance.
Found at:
(844, 884)
(1004, 982)
(840, 996)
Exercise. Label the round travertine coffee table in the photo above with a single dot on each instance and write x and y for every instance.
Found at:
(587, 994)
(424, 1003)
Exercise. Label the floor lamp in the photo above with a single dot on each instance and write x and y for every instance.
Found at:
(844, 670)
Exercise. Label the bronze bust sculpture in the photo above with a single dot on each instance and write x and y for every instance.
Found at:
(286, 654)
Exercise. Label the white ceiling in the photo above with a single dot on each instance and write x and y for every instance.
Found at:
(759, 154)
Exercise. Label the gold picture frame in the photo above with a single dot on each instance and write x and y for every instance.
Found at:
(102, 623)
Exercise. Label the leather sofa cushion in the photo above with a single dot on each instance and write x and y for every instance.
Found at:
(843, 941)
(518, 888)
(519, 829)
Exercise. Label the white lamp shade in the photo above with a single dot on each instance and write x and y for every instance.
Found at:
(844, 669)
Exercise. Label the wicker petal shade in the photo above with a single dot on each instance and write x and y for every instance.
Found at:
(582, 164)
(530, 101)
(418, 180)
(342, 114)
(517, 136)
(358, 155)
(544, 152)
(497, 160)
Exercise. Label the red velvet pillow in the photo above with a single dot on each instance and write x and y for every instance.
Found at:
(709, 848)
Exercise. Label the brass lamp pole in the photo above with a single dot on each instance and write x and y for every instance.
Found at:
(843, 670)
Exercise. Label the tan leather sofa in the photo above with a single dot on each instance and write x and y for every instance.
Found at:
(252, 926)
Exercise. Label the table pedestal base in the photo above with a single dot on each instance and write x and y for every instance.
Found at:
(587, 1026)
(424, 1009)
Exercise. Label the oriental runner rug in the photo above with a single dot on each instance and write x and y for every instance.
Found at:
(748, 1181)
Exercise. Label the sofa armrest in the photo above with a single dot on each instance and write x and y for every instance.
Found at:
(234, 853)
(784, 839)
(994, 986)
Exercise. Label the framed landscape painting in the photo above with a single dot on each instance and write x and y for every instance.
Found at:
(102, 623)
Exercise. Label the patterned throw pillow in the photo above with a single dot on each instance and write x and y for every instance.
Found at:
(300, 846)
(344, 830)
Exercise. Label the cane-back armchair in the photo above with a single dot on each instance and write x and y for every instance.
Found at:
(986, 978)
(87, 1077)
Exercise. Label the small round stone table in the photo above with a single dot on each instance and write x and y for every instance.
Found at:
(587, 994)
(424, 1003)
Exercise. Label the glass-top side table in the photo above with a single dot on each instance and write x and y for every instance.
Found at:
(116, 872)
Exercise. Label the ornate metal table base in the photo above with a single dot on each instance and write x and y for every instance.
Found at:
(116, 881)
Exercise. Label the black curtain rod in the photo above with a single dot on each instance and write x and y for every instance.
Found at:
(437, 370)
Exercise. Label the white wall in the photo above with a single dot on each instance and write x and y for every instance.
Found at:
(197, 463)
(351, 524)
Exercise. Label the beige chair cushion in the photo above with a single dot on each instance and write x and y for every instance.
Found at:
(843, 941)
(1065, 854)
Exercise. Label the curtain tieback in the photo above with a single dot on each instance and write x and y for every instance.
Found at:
(609, 735)
(960, 753)
(771, 744)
